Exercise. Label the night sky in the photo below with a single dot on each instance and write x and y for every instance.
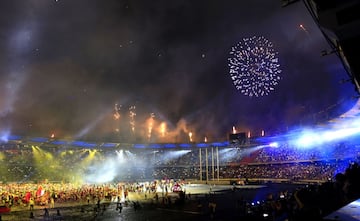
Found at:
(65, 64)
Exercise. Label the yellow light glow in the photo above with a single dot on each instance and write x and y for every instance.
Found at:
(163, 129)
(2, 156)
(150, 122)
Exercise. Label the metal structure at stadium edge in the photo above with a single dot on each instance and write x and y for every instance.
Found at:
(339, 22)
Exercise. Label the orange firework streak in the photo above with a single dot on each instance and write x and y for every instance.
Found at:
(150, 124)
(163, 129)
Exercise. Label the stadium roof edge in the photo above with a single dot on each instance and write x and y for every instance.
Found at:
(85, 144)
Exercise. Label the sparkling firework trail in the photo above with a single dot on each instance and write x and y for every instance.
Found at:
(303, 28)
(117, 117)
(132, 114)
(254, 67)
(233, 130)
(150, 125)
(117, 112)
(163, 129)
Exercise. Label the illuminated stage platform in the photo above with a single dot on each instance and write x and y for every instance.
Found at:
(350, 212)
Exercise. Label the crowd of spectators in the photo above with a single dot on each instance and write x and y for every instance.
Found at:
(23, 163)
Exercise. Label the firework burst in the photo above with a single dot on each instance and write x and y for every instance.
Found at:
(254, 66)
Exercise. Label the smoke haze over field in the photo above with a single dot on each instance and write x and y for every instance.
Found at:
(65, 64)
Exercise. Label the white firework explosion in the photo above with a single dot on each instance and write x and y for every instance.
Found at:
(254, 66)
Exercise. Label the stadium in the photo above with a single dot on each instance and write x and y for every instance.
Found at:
(309, 171)
(299, 156)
